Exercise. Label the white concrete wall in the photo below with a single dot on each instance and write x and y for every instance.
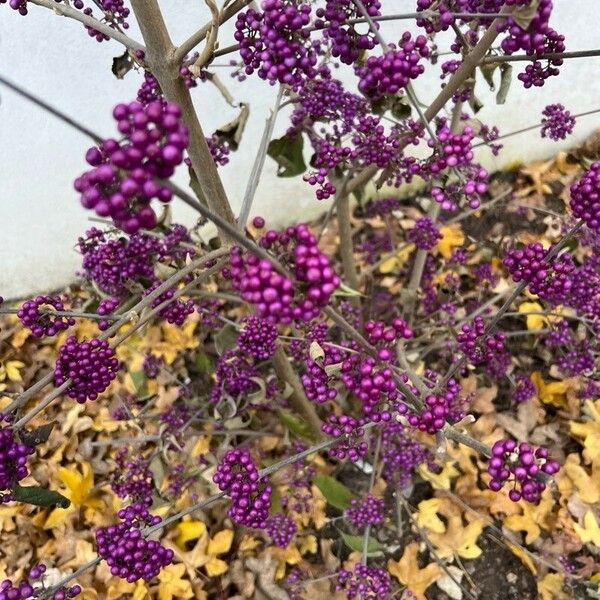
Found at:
(40, 217)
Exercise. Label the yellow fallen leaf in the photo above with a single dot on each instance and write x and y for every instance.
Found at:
(533, 321)
(171, 585)
(308, 545)
(452, 237)
(427, 517)
(588, 432)
(590, 532)
(11, 369)
(587, 485)
(398, 260)
(78, 490)
(551, 587)
(533, 518)
(554, 392)
(458, 539)
(221, 542)
(248, 543)
(441, 480)
(188, 531)
(408, 572)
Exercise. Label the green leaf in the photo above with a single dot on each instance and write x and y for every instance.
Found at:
(336, 493)
(275, 501)
(287, 152)
(226, 338)
(40, 496)
(139, 381)
(505, 81)
(204, 362)
(297, 426)
(355, 542)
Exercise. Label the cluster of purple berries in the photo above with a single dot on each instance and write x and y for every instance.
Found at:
(250, 493)
(585, 197)
(258, 338)
(354, 446)
(522, 465)
(122, 183)
(90, 365)
(439, 409)
(281, 529)
(316, 380)
(367, 583)
(113, 263)
(550, 280)
(235, 377)
(44, 322)
(393, 71)
(13, 462)
(26, 588)
(368, 511)
(128, 553)
(132, 478)
(425, 234)
(346, 42)
(454, 148)
(401, 453)
(152, 365)
(276, 42)
(557, 122)
(538, 38)
(384, 337)
(273, 294)
(177, 311)
(105, 307)
(476, 345)
(525, 389)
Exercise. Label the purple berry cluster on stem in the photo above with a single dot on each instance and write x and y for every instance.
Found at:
(249, 492)
(585, 197)
(522, 466)
(43, 322)
(346, 42)
(392, 72)
(29, 587)
(13, 461)
(557, 122)
(276, 42)
(367, 511)
(281, 529)
(122, 182)
(258, 338)
(90, 364)
(367, 583)
(127, 552)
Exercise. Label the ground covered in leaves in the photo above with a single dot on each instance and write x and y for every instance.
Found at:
(447, 536)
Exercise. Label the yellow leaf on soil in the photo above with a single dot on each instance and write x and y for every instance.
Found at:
(533, 321)
(408, 572)
(427, 517)
(590, 532)
(452, 237)
(550, 587)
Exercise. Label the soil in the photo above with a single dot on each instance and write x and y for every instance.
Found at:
(498, 575)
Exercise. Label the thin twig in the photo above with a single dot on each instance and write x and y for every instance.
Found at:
(259, 162)
(64, 10)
